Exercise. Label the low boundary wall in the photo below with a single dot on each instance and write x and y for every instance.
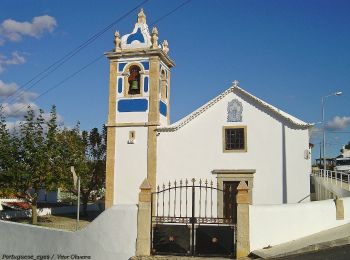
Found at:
(8, 214)
(275, 224)
(112, 235)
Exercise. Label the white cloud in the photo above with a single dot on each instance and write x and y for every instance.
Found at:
(7, 89)
(18, 109)
(15, 59)
(12, 90)
(338, 123)
(11, 30)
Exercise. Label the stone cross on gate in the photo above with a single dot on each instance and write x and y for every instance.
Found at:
(235, 83)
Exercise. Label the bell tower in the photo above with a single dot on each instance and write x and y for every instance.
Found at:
(139, 92)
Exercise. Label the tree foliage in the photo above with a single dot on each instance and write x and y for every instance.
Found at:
(40, 153)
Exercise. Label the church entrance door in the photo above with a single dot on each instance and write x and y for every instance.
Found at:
(230, 203)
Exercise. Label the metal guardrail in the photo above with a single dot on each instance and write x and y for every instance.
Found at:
(342, 177)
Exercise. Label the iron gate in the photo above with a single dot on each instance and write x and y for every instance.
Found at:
(188, 219)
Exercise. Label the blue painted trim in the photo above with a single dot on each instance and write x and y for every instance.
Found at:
(145, 65)
(136, 37)
(121, 66)
(133, 105)
(162, 108)
(120, 85)
(145, 84)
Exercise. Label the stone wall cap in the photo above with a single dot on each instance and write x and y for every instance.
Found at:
(242, 186)
(145, 185)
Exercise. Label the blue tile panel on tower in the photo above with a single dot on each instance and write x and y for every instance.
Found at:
(162, 108)
(136, 37)
(133, 105)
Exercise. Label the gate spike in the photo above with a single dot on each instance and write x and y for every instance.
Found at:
(206, 182)
(169, 184)
(193, 180)
(158, 188)
(181, 182)
(186, 182)
(211, 183)
(175, 183)
(200, 182)
(163, 186)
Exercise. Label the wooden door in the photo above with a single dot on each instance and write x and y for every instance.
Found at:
(230, 203)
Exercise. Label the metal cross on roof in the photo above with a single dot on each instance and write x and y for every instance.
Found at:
(235, 83)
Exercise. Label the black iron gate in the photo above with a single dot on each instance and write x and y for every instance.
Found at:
(188, 219)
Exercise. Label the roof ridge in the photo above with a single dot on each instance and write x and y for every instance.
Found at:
(184, 121)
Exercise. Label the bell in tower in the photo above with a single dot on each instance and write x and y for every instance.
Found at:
(134, 80)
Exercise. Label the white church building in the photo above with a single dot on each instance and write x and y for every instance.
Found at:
(234, 137)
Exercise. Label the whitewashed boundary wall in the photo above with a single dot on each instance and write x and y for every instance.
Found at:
(112, 235)
(275, 224)
(8, 214)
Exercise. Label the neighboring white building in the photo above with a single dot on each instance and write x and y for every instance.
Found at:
(235, 136)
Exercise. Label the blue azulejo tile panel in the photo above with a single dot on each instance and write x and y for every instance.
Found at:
(121, 66)
(145, 84)
(162, 108)
(120, 85)
(137, 36)
(132, 105)
(145, 64)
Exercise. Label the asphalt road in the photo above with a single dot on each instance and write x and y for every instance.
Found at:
(333, 253)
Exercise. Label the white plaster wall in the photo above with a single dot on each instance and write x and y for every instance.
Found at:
(162, 119)
(197, 149)
(270, 225)
(130, 164)
(298, 168)
(132, 117)
(112, 236)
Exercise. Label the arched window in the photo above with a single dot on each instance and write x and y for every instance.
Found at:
(134, 80)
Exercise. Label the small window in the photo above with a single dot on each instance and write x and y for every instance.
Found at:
(131, 137)
(235, 139)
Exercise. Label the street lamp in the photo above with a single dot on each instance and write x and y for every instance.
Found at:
(338, 93)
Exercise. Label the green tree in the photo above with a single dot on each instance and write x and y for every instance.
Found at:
(87, 153)
(347, 146)
(29, 157)
(8, 156)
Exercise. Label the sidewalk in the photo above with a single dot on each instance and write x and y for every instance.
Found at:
(329, 238)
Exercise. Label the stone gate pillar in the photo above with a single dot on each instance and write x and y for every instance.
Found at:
(243, 202)
(143, 241)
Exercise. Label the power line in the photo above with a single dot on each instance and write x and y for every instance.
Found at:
(54, 66)
(98, 58)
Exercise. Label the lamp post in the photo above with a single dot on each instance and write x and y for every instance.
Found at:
(338, 93)
(76, 180)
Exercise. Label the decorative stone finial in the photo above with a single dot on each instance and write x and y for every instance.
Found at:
(154, 38)
(141, 17)
(235, 83)
(117, 41)
(165, 46)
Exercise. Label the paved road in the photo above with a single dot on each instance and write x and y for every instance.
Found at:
(334, 253)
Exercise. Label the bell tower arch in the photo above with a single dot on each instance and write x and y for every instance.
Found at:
(139, 91)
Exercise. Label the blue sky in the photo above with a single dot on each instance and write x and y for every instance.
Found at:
(288, 53)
